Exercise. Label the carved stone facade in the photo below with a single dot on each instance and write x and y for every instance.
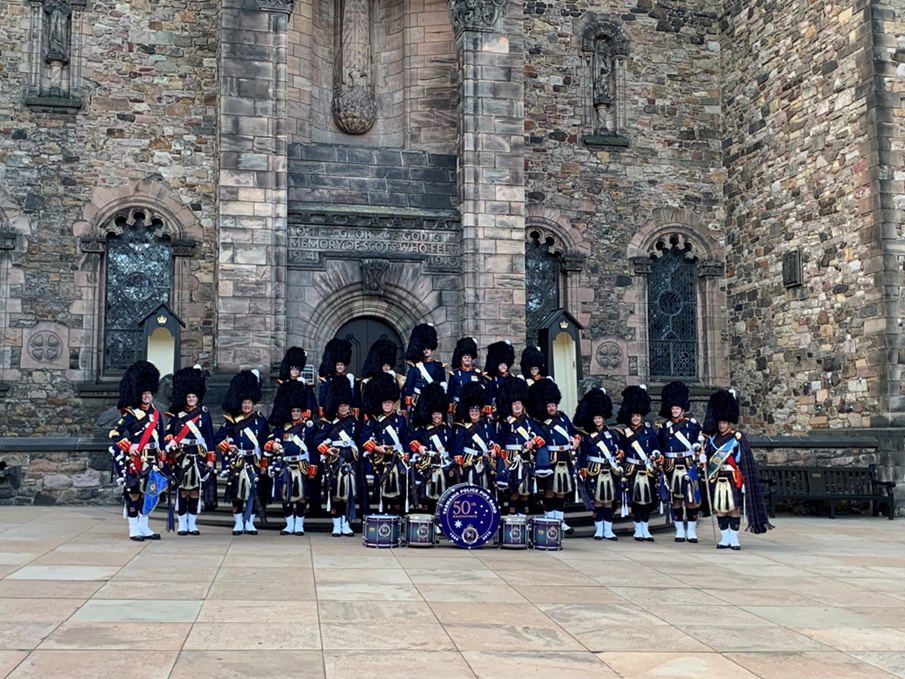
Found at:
(312, 163)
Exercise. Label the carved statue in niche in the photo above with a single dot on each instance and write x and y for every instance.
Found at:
(57, 31)
(604, 85)
(354, 104)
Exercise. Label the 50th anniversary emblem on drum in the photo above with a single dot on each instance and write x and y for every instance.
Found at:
(469, 515)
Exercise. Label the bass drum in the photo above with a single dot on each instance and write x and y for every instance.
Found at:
(468, 515)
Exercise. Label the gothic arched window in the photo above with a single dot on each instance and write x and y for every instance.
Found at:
(672, 314)
(138, 280)
(542, 269)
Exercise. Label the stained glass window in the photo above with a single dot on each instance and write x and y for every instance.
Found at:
(138, 280)
(672, 315)
(541, 284)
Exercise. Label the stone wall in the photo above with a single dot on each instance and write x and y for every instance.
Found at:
(58, 471)
(145, 136)
(660, 175)
(801, 182)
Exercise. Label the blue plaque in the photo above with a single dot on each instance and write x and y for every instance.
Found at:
(468, 515)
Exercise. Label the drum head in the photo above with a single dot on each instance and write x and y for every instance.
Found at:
(468, 515)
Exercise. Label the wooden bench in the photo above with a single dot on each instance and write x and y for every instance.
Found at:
(833, 484)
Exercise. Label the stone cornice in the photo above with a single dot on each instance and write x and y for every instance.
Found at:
(475, 15)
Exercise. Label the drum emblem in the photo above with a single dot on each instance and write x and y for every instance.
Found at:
(470, 535)
(384, 530)
(423, 531)
(516, 533)
(552, 532)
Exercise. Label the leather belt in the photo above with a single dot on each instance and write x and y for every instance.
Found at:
(558, 449)
(634, 460)
(684, 453)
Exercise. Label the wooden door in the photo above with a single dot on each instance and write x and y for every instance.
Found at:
(362, 332)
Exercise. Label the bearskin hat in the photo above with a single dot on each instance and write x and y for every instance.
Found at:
(722, 407)
(499, 352)
(291, 394)
(595, 402)
(336, 392)
(245, 385)
(337, 351)
(674, 394)
(295, 357)
(473, 395)
(382, 352)
(140, 377)
(431, 400)
(540, 394)
(635, 400)
(533, 357)
(187, 381)
(423, 337)
(464, 347)
(380, 388)
(511, 389)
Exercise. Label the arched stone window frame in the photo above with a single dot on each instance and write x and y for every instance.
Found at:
(678, 228)
(15, 227)
(99, 218)
(570, 246)
(591, 28)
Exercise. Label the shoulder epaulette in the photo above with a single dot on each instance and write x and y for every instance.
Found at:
(204, 409)
(738, 436)
(693, 420)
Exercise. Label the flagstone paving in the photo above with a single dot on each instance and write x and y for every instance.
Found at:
(815, 598)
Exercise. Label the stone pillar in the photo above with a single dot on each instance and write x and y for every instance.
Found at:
(491, 175)
(252, 189)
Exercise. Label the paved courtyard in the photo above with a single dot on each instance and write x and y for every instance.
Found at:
(814, 598)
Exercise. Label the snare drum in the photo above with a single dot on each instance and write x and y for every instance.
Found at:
(381, 531)
(513, 532)
(546, 534)
(419, 530)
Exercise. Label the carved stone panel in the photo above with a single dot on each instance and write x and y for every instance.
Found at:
(354, 103)
(373, 275)
(475, 15)
(46, 345)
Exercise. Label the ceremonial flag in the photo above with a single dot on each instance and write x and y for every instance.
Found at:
(155, 485)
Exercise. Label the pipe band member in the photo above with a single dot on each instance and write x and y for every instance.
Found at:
(431, 443)
(464, 371)
(519, 437)
(500, 356)
(731, 472)
(642, 454)
(423, 369)
(137, 440)
(290, 444)
(240, 440)
(190, 444)
(474, 438)
(384, 438)
(600, 459)
(341, 462)
(554, 461)
(681, 440)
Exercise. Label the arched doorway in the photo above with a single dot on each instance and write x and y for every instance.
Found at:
(362, 332)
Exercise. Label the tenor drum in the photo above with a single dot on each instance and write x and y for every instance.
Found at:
(514, 532)
(546, 534)
(468, 515)
(419, 530)
(381, 531)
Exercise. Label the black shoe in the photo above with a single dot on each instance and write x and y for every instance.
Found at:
(612, 539)
(719, 546)
(299, 532)
(598, 537)
(680, 539)
(648, 539)
(693, 541)
(637, 539)
(152, 536)
(337, 535)
(569, 531)
(194, 532)
(182, 532)
(251, 532)
(237, 532)
(136, 538)
(285, 532)
(735, 548)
